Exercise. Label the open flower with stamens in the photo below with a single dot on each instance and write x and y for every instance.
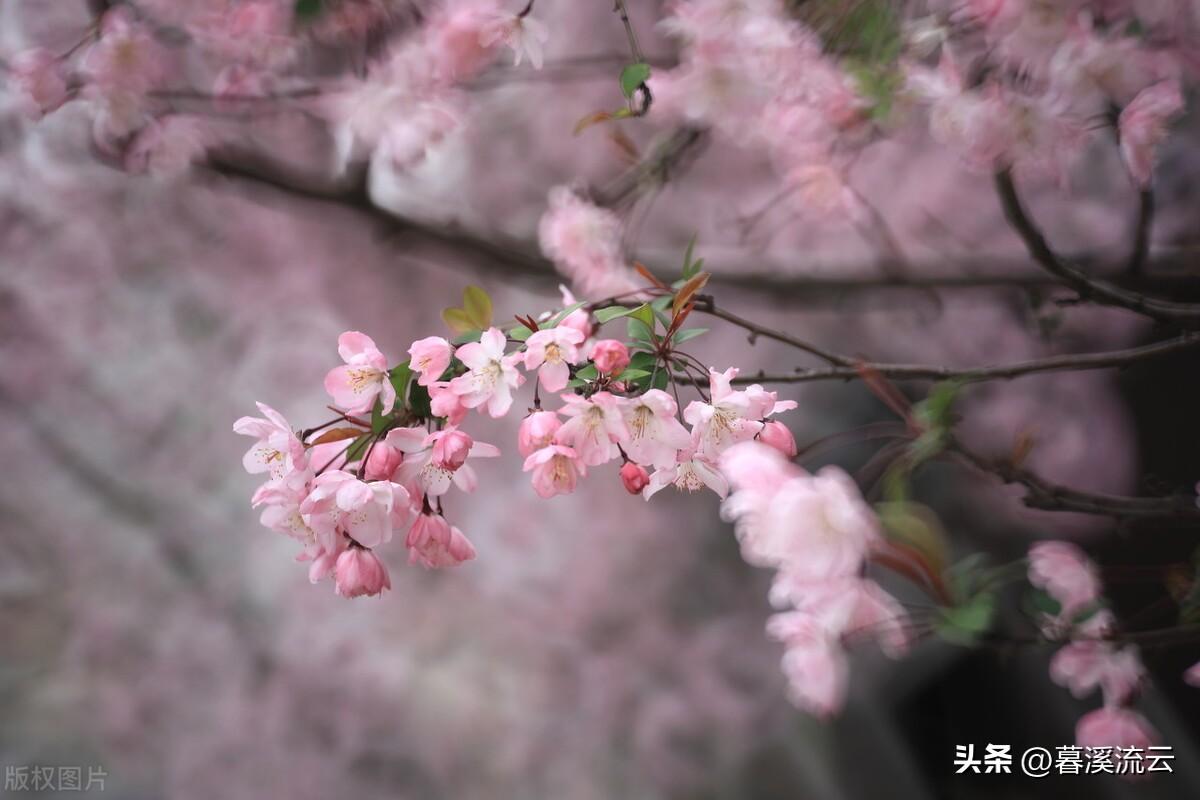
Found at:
(355, 385)
(276, 450)
(363, 511)
(522, 34)
(728, 417)
(429, 358)
(492, 375)
(655, 435)
(556, 469)
(691, 472)
(594, 426)
(551, 352)
(434, 461)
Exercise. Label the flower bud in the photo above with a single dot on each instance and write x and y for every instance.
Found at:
(777, 435)
(450, 552)
(610, 356)
(382, 462)
(635, 477)
(426, 528)
(451, 449)
(360, 572)
(537, 431)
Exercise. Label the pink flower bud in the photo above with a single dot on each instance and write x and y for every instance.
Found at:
(537, 431)
(428, 528)
(610, 356)
(382, 462)
(450, 552)
(635, 477)
(777, 435)
(360, 572)
(451, 449)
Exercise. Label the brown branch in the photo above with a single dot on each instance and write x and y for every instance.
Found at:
(1047, 496)
(1141, 233)
(1065, 363)
(1089, 288)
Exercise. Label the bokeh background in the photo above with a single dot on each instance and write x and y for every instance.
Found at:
(599, 646)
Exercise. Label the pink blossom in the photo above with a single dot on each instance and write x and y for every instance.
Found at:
(1143, 126)
(359, 572)
(726, 419)
(127, 57)
(550, 351)
(523, 35)
(428, 527)
(655, 436)
(556, 469)
(593, 428)
(777, 435)
(1192, 676)
(276, 449)
(40, 82)
(355, 385)
(459, 40)
(584, 242)
(634, 477)
(610, 356)
(1082, 666)
(382, 461)
(443, 402)
(437, 553)
(814, 663)
(429, 358)
(1114, 727)
(1066, 574)
(363, 511)
(432, 461)
(492, 375)
(166, 147)
(691, 472)
(536, 431)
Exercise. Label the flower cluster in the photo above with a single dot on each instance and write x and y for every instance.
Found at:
(400, 448)
(1022, 83)
(764, 80)
(817, 532)
(1089, 660)
(132, 66)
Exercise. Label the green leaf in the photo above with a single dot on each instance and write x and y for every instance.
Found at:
(520, 333)
(399, 376)
(467, 337)
(917, 527)
(633, 374)
(632, 77)
(587, 373)
(643, 361)
(561, 315)
(418, 401)
(691, 333)
(662, 303)
(964, 624)
(639, 330)
(305, 10)
(688, 269)
(613, 312)
(661, 380)
(358, 448)
(478, 307)
(457, 320)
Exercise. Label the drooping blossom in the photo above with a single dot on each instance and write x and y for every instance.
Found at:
(360, 573)
(1082, 666)
(382, 461)
(366, 512)
(364, 377)
(522, 34)
(438, 553)
(655, 435)
(536, 431)
(584, 242)
(492, 375)
(556, 470)
(779, 436)
(551, 351)
(1066, 574)
(1115, 728)
(594, 426)
(634, 477)
(445, 403)
(691, 472)
(38, 78)
(429, 358)
(1142, 127)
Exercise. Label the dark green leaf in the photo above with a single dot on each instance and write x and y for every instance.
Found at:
(633, 76)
